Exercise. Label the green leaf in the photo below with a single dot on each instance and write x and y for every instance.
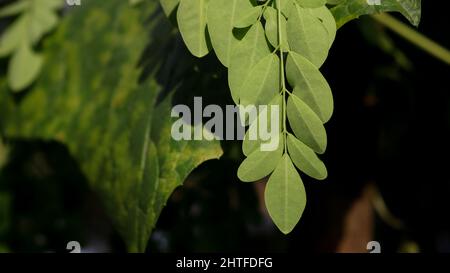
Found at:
(36, 18)
(248, 18)
(191, 17)
(311, 3)
(308, 36)
(249, 51)
(285, 195)
(328, 21)
(262, 83)
(92, 97)
(306, 125)
(309, 85)
(260, 164)
(169, 6)
(42, 21)
(305, 158)
(271, 16)
(49, 4)
(24, 67)
(14, 8)
(352, 9)
(13, 36)
(286, 7)
(222, 17)
(249, 145)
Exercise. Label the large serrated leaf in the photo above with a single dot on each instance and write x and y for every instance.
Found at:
(352, 9)
(98, 103)
(285, 195)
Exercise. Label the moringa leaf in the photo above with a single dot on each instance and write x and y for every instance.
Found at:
(246, 54)
(271, 16)
(285, 195)
(309, 85)
(249, 18)
(324, 14)
(222, 17)
(311, 3)
(169, 6)
(305, 158)
(260, 164)
(348, 10)
(286, 7)
(191, 18)
(308, 36)
(98, 104)
(262, 83)
(306, 125)
(250, 145)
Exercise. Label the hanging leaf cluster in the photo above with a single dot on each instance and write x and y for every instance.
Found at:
(273, 50)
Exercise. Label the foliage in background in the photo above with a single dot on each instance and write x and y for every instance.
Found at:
(347, 10)
(111, 119)
(32, 20)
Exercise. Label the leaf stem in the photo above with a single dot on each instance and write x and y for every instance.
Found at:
(282, 77)
(264, 6)
(414, 37)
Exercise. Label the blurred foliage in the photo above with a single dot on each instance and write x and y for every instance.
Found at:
(33, 20)
(105, 116)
